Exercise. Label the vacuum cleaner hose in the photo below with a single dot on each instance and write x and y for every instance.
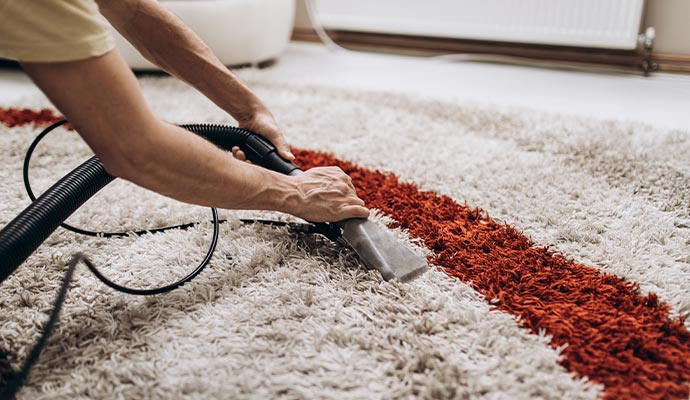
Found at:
(258, 150)
(33, 225)
(22, 236)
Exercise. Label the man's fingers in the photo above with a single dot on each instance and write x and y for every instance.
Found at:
(355, 212)
(351, 185)
(263, 123)
(284, 149)
(277, 139)
(239, 154)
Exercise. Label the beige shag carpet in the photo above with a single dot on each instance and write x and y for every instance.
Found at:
(281, 316)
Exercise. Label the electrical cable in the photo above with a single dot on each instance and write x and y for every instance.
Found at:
(18, 379)
(99, 275)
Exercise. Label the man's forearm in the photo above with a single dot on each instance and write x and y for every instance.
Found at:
(199, 173)
(166, 41)
(101, 99)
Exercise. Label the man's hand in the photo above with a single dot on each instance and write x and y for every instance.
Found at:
(180, 52)
(326, 194)
(264, 124)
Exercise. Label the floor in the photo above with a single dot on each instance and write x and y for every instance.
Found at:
(661, 99)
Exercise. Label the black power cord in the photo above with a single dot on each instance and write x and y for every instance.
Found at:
(18, 379)
(8, 392)
(99, 275)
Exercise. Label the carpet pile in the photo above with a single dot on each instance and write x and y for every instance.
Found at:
(560, 248)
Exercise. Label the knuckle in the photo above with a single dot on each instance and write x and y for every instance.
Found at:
(342, 188)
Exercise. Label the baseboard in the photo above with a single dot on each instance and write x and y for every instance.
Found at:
(497, 51)
(672, 62)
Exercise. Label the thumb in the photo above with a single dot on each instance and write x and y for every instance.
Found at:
(355, 211)
(284, 149)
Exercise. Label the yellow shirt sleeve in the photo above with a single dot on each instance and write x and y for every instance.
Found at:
(52, 30)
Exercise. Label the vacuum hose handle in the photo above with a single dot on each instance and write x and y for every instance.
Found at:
(261, 151)
(258, 149)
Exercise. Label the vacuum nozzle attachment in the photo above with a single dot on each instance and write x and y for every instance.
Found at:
(380, 250)
(376, 247)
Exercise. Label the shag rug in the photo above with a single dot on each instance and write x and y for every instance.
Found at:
(560, 249)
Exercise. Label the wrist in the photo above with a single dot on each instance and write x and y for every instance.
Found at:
(229, 93)
(240, 102)
(278, 192)
(248, 111)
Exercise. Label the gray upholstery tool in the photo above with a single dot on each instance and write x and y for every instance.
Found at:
(380, 250)
(375, 246)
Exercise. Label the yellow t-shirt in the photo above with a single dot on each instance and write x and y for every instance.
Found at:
(52, 30)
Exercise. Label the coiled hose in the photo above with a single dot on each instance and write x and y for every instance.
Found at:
(20, 238)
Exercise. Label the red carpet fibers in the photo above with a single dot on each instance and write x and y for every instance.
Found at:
(21, 116)
(613, 335)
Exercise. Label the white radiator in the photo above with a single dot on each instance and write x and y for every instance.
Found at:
(611, 24)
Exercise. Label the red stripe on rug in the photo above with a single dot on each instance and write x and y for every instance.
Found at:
(21, 116)
(614, 336)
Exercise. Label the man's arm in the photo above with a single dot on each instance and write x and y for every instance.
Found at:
(101, 98)
(167, 42)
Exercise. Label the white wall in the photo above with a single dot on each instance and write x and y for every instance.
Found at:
(301, 16)
(669, 17)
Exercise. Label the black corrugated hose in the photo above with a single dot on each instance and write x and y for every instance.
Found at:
(20, 238)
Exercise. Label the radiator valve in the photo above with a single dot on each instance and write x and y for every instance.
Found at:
(646, 42)
(646, 39)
